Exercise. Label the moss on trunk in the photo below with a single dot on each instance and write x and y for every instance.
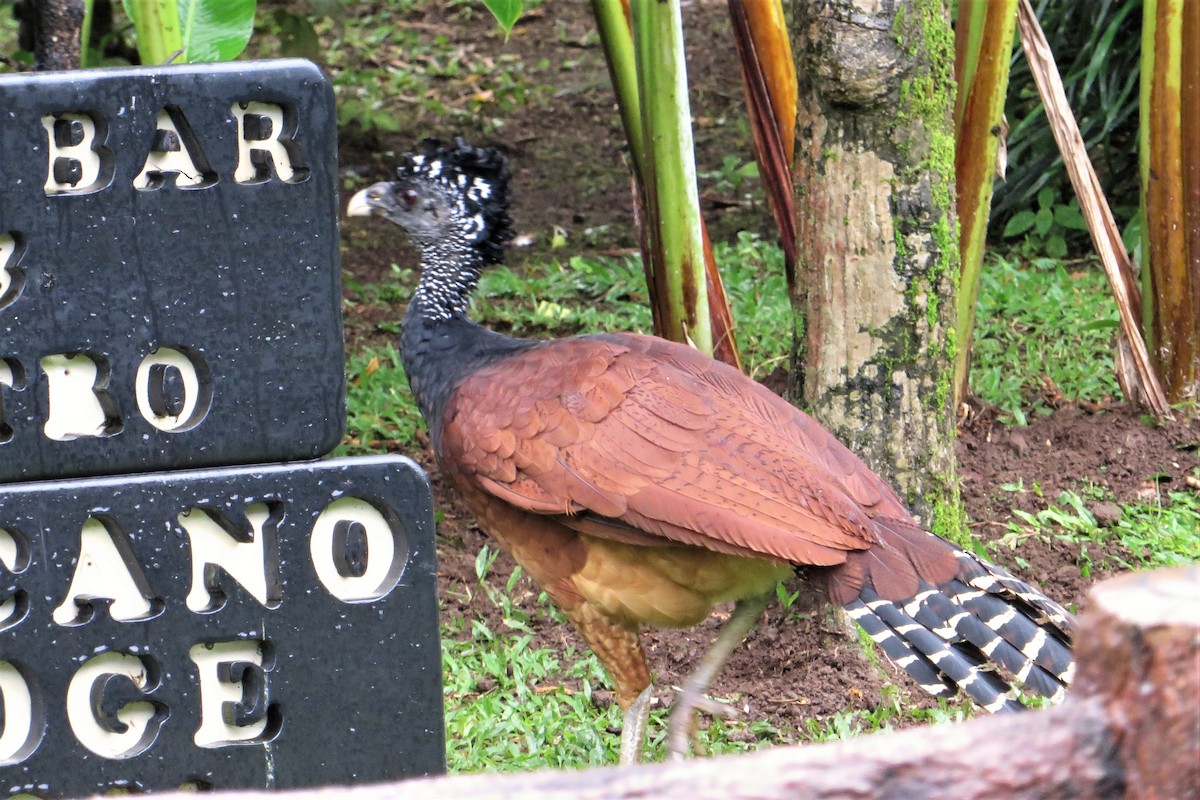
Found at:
(878, 241)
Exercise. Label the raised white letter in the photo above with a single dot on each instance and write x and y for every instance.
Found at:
(136, 724)
(243, 555)
(106, 570)
(233, 709)
(175, 150)
(11, 376)
(263, 145)
(167, 413)
(11, 280)
(358, 554)
(14, 557)
(77, 395)
(23, 724)
(75, 158)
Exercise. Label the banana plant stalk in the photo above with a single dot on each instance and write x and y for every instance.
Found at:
(769, 81)
(983, 42)
(1169, 156)
(159, 38)
(643, 42)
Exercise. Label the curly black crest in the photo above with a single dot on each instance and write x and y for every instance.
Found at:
(478, 178)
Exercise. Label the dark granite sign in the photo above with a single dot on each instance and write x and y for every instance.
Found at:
(268, 626)
(169, 281)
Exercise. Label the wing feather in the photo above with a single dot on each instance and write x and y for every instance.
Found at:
(656, 437)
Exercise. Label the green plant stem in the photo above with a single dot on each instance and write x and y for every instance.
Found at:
(616, 36)
(158, 33)
(85, 32)
(983, 42)
(673, 201)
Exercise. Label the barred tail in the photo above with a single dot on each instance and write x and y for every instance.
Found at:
(980, 631)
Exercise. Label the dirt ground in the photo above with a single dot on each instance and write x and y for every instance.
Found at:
(565, 149)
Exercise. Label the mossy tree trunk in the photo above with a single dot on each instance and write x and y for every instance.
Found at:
(878, 241)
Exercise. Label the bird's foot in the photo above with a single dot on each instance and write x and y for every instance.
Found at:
(683, 724)
(693, 696)
(633, 732)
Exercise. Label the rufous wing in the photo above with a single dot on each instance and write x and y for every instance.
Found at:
(640, 437)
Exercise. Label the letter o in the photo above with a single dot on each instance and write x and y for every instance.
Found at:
(384, 560)
(153, 399)
(23, 718)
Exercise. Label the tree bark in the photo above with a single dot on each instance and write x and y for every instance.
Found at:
(56, 33)
(877, 240)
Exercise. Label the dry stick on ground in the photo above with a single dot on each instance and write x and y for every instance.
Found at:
(1129, 730)
(1142, 384)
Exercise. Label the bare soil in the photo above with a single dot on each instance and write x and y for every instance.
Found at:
(566, 152)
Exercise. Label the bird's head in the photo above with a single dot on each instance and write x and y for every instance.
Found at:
(445, 196)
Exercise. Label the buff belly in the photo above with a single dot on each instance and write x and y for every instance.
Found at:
(668, 586)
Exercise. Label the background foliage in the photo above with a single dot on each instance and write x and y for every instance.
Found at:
(1097, 47)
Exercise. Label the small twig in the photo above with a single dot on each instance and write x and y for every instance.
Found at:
(12, 63)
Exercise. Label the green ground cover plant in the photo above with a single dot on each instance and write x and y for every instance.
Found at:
(1045, 331)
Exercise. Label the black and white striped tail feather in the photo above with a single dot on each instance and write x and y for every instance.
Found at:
(955, 635)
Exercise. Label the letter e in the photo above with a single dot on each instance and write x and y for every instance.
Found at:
(233, 702)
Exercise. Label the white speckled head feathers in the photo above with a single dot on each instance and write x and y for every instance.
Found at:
(477, 179)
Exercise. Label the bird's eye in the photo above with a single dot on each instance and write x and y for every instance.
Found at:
(409, 196)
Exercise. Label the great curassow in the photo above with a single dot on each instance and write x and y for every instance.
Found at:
(639, 482)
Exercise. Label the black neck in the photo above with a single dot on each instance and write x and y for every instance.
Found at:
(440, 347)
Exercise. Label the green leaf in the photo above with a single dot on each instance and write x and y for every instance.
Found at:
(1046, 197)
(749, 170)
(1070, 217)
(1043, 221)
(1056, 247)
(157, 26)
(215, 30)
(1019, 222)
(506, 13)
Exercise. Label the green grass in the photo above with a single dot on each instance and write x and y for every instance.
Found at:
(384, 68)
(1042, 332)
(381, 412)
(588, 295)
(1158, 534)
(513, 706)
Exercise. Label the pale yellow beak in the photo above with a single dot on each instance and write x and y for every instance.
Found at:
(360, 205)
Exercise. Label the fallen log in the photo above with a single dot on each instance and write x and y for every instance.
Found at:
(1130, 729)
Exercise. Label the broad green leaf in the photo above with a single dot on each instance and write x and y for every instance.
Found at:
(1019, 222)
(506, 12)
(1043, 220)
(1056, 247)
(1070, 217)
(1047, 196)
(215, 30)
(157, 26)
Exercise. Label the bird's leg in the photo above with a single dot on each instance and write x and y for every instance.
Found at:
(692, 697)
(633, 731)
(618, 645)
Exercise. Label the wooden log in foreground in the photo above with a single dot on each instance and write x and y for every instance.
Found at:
(1130, 729)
